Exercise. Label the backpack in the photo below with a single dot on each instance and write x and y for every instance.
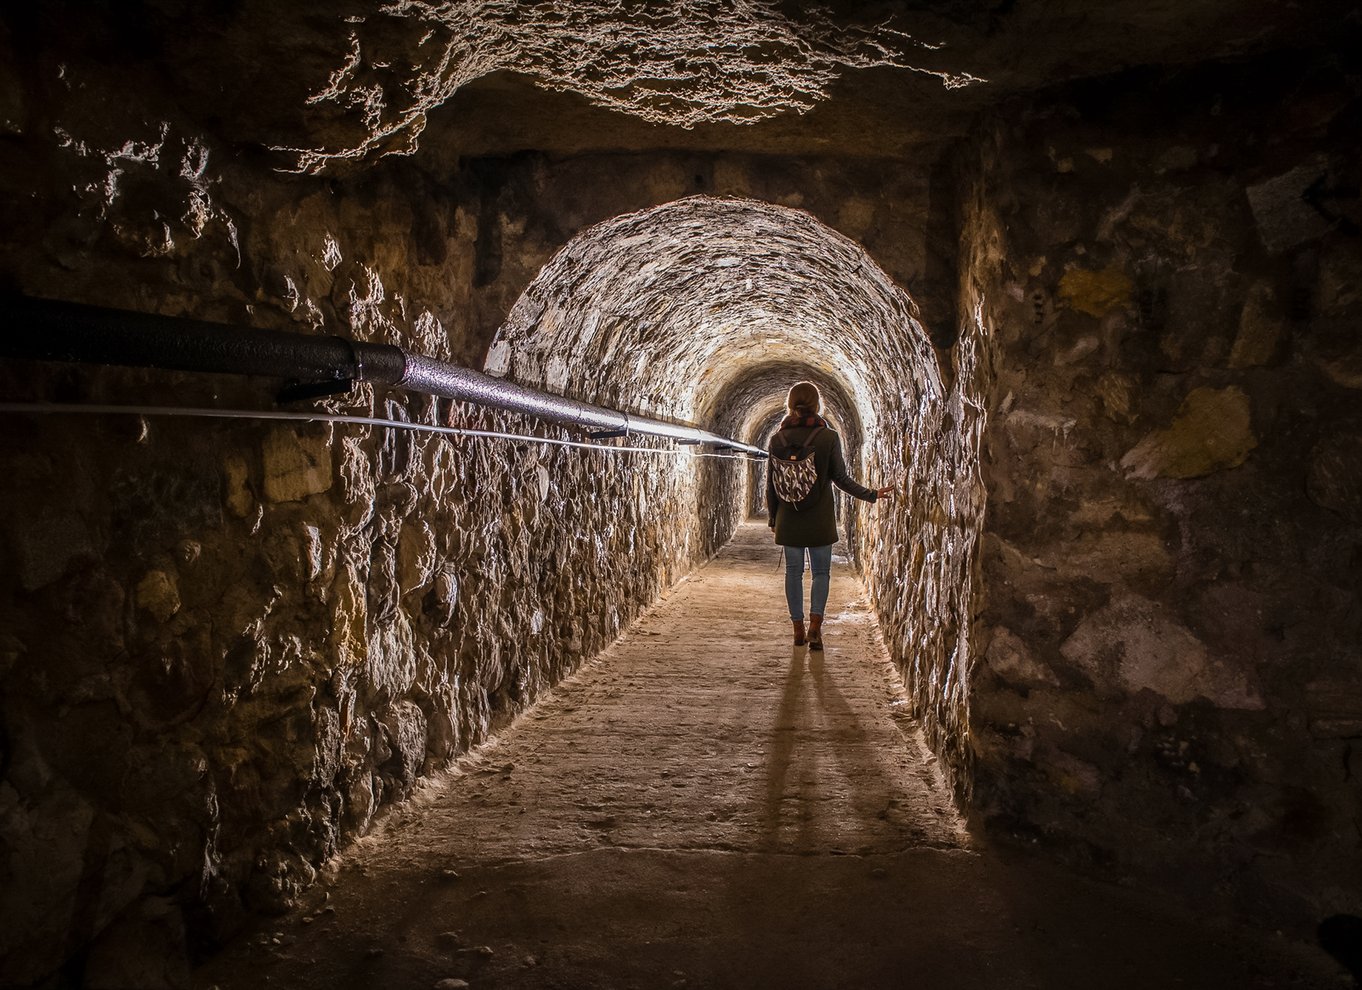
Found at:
(793, 471)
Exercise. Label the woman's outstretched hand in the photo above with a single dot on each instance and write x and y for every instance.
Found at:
(886, 492)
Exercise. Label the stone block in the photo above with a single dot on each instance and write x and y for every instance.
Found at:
(1009, 658)
(360, 804)
(1262, 328)
(1335, 478)
(297, 464)
(284, 551)
(1133, 645)
(1139, 558)
(1345, 369)
(1211, 432)
(441, 602)
(315, 552)
(330, 743)
(349, 615)
(406, 727)
(1096, 293)
(415, 555)
(158, 594)
(1280, 209)
(238, 494)
(390, 664)
(383, 590)
(1117, 395)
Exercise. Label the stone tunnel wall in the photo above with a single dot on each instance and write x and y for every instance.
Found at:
(920, 551)
(1170, 617)
(226, 645)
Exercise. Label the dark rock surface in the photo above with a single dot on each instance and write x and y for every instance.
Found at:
(1171, 540)
(1097, 315)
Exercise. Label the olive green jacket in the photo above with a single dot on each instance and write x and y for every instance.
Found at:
(815, 526)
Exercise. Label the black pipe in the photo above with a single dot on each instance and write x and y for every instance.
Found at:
(47, 330)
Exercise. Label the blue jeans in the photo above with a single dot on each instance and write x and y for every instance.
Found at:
(820, 562)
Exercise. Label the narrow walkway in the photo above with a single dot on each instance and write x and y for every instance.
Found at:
(704, 806)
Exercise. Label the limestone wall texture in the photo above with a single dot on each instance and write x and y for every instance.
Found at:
(920, 551)
(753, 297)
(226, 645)
(1169, 677)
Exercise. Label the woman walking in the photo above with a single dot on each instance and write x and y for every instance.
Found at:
(809, 523)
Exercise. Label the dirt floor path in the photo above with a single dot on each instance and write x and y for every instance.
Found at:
(704, 806)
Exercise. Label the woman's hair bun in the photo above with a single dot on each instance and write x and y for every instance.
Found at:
(804, 399)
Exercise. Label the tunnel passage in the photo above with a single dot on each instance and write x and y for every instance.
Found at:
(300, 622)
(224, 648)
(707, 309)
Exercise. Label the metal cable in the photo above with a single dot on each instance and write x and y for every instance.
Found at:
(320, 417)
(63, 331)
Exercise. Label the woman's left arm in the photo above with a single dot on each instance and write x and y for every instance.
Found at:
(843, 480)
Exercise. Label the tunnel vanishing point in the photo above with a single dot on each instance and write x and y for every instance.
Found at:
(1084, 281)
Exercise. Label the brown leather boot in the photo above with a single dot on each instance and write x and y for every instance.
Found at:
(798, 631)
(815, 632)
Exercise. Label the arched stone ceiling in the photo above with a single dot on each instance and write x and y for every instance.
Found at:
(691, 309)
(751, 404)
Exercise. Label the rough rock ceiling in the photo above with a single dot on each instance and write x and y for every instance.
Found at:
(707, 309)
(864, 79)
(686, 63)
(357, 79)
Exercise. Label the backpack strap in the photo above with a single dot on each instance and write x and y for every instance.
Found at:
(808, 443)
